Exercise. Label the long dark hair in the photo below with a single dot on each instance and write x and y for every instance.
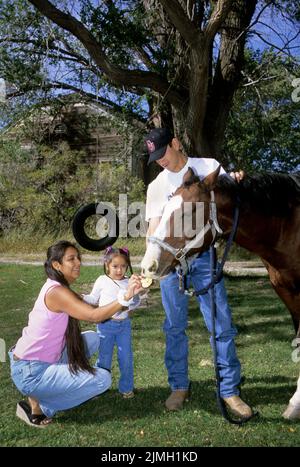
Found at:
(74, 342)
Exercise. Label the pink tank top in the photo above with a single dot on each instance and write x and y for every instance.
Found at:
(44, 337)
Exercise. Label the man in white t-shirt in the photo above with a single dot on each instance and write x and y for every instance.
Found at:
(165, 150)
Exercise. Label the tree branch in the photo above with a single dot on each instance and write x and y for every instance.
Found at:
(258, 80)
(109, 105)
(280, 49)
(144, 57)
(256, 19)
(219, 14)
(117, 75)
(44, 50)
(104, 103)
(282, 36)
(190, 33)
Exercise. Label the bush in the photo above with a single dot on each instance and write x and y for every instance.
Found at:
(40, 191)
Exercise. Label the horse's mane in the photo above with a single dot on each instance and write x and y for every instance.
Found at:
(269, 193)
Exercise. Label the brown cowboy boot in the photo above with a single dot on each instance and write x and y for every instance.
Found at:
(176, 399)
(292, 412)
(238, 407)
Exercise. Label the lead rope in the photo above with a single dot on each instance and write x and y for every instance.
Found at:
(220, 401)
(219, 273)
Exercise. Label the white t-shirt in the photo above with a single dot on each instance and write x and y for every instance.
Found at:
(105, 291)
(166, 183)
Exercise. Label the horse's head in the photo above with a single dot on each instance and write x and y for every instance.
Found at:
(184, 225)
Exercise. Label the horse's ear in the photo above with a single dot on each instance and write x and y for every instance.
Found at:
(211, 179)
(188, 175)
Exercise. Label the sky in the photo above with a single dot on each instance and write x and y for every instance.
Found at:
(275, 30)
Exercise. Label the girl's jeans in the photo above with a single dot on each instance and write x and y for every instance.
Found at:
(54, 386)
(176, 309)
(111, 333)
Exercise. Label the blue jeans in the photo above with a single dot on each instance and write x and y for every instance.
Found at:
(54, 386)
(111, 333)
(176, 309)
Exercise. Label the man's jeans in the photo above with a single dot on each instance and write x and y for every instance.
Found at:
(176, 308)
(54, 386)
(111, 333)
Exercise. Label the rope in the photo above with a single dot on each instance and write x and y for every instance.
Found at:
(215, 278)
(220, 401)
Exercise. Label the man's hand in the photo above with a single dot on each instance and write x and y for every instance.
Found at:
(237, 176)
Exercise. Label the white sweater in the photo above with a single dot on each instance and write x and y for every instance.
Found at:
(105, 291)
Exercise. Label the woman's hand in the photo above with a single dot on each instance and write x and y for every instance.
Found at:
(134, 287)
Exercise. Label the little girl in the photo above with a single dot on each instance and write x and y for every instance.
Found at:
(117, 329)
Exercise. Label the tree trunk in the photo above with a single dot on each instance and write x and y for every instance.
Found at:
(201, 123)
(227, 76)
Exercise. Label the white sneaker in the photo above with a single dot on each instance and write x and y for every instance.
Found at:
(128, 395)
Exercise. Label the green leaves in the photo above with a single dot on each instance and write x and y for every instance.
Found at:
(37, 188)
(118, 29)
(263, 131)
(42, 188)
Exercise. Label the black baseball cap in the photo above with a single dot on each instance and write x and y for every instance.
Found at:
(157, 141)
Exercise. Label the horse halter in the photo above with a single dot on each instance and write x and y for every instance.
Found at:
(181, 253)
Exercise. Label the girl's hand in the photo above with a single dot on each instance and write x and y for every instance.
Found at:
(134, 287)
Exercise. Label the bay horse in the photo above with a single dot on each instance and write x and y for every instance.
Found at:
(269, 226)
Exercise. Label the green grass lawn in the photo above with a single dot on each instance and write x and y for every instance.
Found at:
(18, 242)
(264, 348)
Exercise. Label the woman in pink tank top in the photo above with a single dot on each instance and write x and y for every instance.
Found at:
(50, 362)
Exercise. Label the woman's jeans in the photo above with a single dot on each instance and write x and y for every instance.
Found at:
(111, 333)
(54, 386)
(176, 309)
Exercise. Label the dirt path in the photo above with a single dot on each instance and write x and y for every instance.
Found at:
(232, 268)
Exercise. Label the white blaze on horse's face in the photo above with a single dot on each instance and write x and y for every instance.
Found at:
(151, 259)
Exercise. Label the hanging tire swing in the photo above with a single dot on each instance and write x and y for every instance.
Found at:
(107, 227)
